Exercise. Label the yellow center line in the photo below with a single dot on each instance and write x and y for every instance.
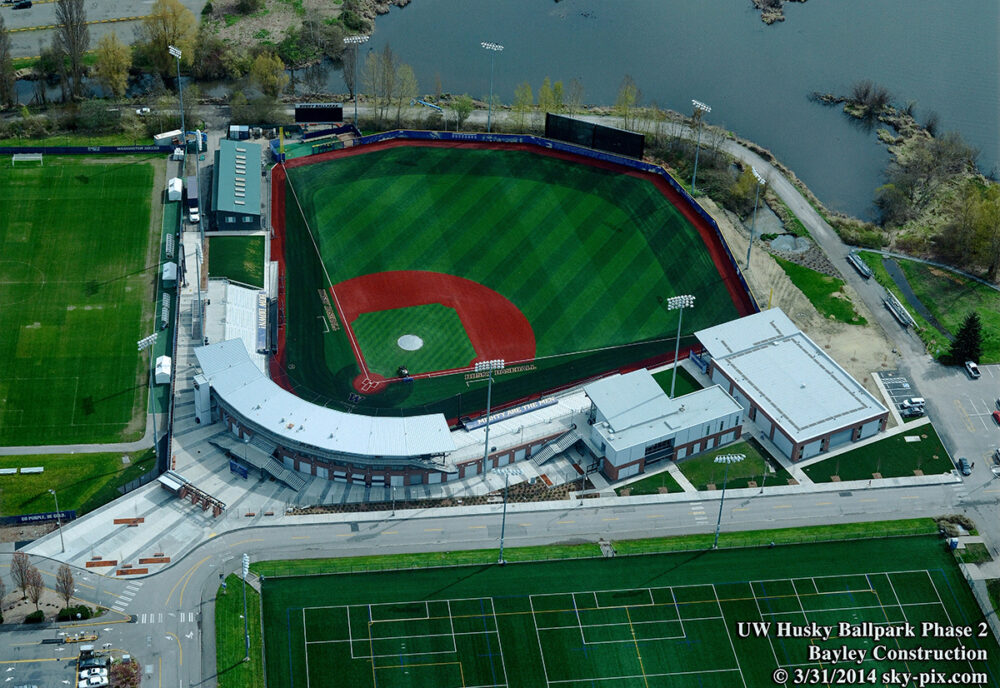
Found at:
(300, 537)
(637, 653)
(344, 534)
(565, 521)
(433, 530)
(524, 524)
(742, 508)
(190, 576)
(783, 506)
(965, 416)
(910, 497)
(823, 503)
(476, 527)
(656, 516)
(390, 532)
(180, 650)
(610, 519)
(867, 500)
(185, 576)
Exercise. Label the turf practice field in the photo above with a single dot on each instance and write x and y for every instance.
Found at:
(566, 257)
(76, 280)
(657, 621)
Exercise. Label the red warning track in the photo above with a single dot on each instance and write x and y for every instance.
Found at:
(495, 326)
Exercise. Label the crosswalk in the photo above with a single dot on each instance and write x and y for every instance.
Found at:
(698, 511)
(127, 596)
(960, 492)
(158, 617)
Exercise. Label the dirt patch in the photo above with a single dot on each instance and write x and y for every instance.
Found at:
(25, 533)
(938, 272)
(859, 350)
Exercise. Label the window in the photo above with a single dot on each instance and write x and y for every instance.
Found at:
(657, 446)
(230, 219)
(247, 219)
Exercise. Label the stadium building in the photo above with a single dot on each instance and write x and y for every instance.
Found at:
(802, 400)
(236, 186)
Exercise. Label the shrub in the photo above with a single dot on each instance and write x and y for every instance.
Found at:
(35, 617)
(207, 9)
(69, 613)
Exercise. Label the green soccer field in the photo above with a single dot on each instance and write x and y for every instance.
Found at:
(588, 255)
(77, 270)
(661, 620)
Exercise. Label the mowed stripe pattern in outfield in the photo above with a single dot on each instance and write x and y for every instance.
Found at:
(73, 290)
(585, 253)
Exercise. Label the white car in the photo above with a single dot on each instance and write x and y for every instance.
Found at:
(194, 216)
(142, 111)
(94, 682)
(96, 671)
(973, 369)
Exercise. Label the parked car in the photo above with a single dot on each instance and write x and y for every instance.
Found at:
(912, 412)
(913, 402)
(996, 456)
(194, 217)
(998, 404)
(142, 111)
(972, 369)
(22, 5)
(94, 682)
(996, 417)
(963, 466)
(87, 673)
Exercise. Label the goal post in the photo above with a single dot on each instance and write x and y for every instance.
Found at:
(26, 157)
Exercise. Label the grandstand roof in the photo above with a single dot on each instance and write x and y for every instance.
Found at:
(788, 376)
(245, 389)
(237, 177)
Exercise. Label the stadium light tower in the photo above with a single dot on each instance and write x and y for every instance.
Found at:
(488, 367)
(356, 41)
(494, 48)
(678, 303)
(143, 344)
(753, 223)
(726, 459)
(700, 109)
(246, 628)
(176, 52)
(62, 544)
(506, 472)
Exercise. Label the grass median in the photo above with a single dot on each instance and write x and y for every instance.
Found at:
(230, 641)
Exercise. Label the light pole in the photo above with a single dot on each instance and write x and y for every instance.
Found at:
(246, 629)
(506, 471)
(356, 41)
(393, 500)
(678, 303)
(62, 544)
(176, 52)
(699, 109)
(753, 223)
(726, 459)
(143, 344)
(494, 48)
(489, 367)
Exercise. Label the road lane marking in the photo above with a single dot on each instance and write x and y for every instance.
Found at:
(783, 506)
(610, 519)
(742, 508)
(965, 416)
(476, 527)
(868, 500)
(823, 503)
(344, 534)
(910, 497)
(184, 579)
(565, 521)
(300, 537)
(180, 659)
(433, 530)
(524, 525)
(390, 532)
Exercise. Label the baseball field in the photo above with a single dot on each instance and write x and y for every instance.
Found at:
(632, 622)
(77, 269)
(429, 258)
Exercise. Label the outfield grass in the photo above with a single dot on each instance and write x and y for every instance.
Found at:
(445, 344)
(702, 470)
(685, 382)
(77, 269)
(240, 258)
(230, 640)
(630, 621)
(893, 457)
(654, 484)
(83, 482)
(587, 255)
(823, 291)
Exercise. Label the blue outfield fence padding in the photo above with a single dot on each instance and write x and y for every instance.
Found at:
(84, 150)
(550, 144)
(65, 515)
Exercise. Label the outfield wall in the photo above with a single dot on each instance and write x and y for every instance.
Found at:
(84, 150)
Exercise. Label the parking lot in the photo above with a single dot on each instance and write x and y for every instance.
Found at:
(900, 388)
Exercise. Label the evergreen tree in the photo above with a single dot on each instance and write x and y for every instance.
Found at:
(968, 344)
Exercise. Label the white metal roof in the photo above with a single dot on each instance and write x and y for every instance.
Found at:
(791, 378)
(250, 393)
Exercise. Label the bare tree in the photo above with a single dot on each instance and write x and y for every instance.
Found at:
(406, 89)
(347, 60)
(65, 585)
(8, 95)
(19, 567)
(35, 585)
(72, 40)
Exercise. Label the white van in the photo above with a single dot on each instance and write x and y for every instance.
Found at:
(913, 402)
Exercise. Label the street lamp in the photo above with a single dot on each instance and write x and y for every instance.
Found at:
(506, 471)
(176, 52)
(726, 459)
(246, 629)
(488, 367)
(62, 544)
(356, 41)
(753, 224)
(699, 109)
(678, 303)
(143, 344)
(494, 48)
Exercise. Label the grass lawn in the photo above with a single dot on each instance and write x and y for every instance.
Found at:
(82, 481)
(443, 344)
(230, 640)
(655, 484)
(240, 258)
(78, 265)
(893, 457)
(77, 140)
(685, 382)
(702, 470)
(588, 260)
(950, 297)
(823, 291)
(637, 617)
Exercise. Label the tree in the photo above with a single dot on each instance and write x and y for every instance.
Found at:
(19, 567)
(268, 74)
(380, 75)
(523, 102)
(347, 61)
(34, 585)
(125, 674)
(210, 53)
(248, 6)
(72, 40)
(968, 344)
(462, 106)
(406, 89)
(168, 23)
(8, 94)
(65, 585)
(628, 97)
(575, 97)
(113, 61)
(546, 99)
(557, 96)
(743, 192)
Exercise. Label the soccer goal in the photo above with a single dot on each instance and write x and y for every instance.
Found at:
(26, 157)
